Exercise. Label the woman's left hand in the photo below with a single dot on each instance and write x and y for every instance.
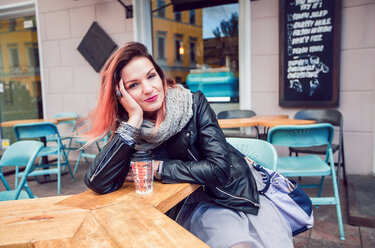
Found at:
(156, 166)
(129, 177)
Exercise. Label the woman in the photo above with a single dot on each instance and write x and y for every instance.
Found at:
(145, 111)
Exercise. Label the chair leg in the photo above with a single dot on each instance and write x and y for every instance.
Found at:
(67, 164)
(16, 177)
(58, 174)
(337, 198)
(6, 185)
(321, 186)
(343, 164)
(28, 190)
(78, 160)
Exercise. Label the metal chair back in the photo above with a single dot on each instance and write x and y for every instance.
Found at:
(19, 154)
(309, 165)
(262, 152)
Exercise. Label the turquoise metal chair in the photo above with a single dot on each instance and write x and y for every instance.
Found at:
(83, 150)
(262, 152)
(20, 153)
(67, 140)
(42, 130)
(309, 165)
(334, 117)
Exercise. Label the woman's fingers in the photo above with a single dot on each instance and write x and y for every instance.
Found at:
(129, 177)
(131, 106)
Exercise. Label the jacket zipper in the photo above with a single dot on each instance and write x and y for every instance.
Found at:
(191, 154)
(236, 197)
(222, 191)
(100, 168)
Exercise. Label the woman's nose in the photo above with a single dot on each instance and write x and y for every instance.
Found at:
(147, 87)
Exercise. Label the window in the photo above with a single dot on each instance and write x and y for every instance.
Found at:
(179, 49)
(193, 50)
(12, 23)
(32, 55)
(202, 45)
(161, 12)
(177, 16)
(192, 16)
(161, 46)
(1, 59)
(14, 56)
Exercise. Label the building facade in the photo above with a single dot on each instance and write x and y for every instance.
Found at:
(69, 84)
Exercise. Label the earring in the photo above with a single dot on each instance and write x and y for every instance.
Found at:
(118, 94)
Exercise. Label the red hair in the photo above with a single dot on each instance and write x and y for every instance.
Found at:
(103, 119)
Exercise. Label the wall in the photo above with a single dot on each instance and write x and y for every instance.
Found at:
(357, 86)
(70, 83)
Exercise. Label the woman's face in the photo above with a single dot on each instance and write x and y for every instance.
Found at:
(143, 83)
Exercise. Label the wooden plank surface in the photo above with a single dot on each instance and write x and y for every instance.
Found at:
(163, 198)
(120, 219)
(26, 121)
(262, 120)
(38, 219)
(146, 227)
(90, 234)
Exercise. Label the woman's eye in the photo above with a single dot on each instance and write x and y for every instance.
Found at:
(151, 75)
(132, 85)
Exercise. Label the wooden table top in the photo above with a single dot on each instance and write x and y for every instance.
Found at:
(24, 121)
(262, 120)
(119, 219)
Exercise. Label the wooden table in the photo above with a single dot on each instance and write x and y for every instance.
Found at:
(262, 120)
(53, 120)
(119, 219)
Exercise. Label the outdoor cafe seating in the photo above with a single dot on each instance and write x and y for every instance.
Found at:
(45, 167)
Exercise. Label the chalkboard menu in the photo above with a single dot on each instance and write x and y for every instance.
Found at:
(309, 53)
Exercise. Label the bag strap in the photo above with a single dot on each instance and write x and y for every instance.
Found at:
(262, 170)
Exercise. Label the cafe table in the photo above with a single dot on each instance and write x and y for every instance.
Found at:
(25, 121)
(267, 121)
(118, 219)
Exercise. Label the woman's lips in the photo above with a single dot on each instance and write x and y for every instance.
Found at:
(152, 99)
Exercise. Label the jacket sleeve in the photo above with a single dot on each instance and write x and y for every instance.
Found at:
(212, 168)
(110, 167)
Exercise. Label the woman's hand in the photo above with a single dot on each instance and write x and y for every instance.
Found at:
(131, 106)
(156, 167)
(129, 177)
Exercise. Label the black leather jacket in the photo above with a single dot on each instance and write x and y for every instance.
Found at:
(198, 154)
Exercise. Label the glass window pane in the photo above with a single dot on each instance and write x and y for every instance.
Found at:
(201, 46)
(192, 17)
(177, 16)
(161, 4)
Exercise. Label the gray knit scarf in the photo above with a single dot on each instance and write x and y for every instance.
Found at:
(179, 110)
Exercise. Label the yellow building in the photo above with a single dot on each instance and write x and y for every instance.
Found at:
(177, 39)
(20, 86)
(19, 61)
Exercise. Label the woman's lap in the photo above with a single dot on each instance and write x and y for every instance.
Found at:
(222, 227)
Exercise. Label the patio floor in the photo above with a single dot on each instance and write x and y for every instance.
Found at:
(325, 232)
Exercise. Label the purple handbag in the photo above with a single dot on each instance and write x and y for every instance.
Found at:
(292, 202)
